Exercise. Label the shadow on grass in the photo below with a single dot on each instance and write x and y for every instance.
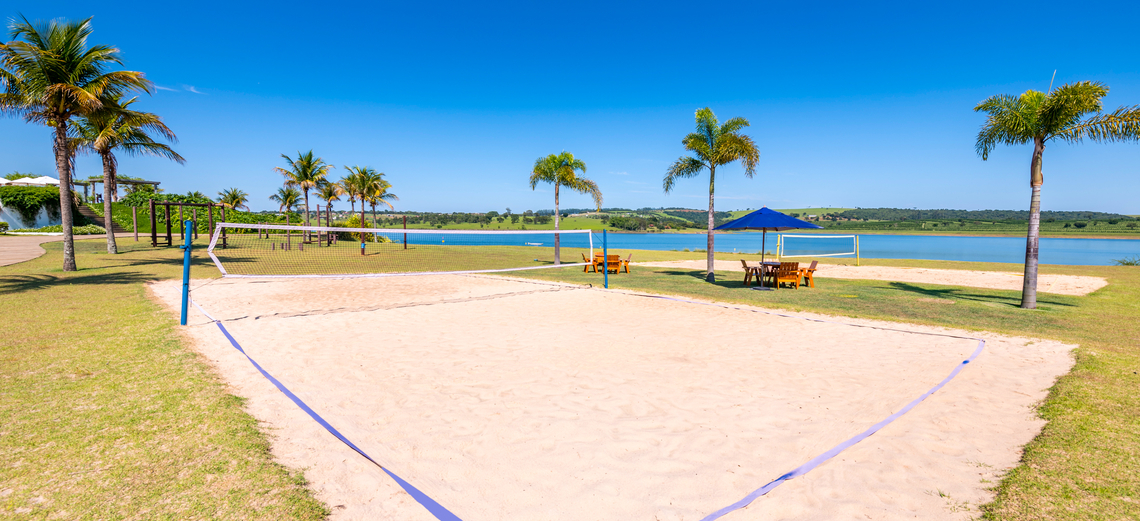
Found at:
(961, 294)
(22, 283)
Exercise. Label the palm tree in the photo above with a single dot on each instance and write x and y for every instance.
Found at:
(377, 193)
(1070, 113)
(288, 198)
(234, 198)
(560, 169)
(714, 145)
(360, 182)
(330, 192)
(49, 75)
(306, 172)
(114, 126)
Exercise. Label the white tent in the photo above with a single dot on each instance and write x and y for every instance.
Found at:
(36, 181)
(4, 181)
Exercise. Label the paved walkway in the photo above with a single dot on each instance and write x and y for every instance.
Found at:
(20, 248)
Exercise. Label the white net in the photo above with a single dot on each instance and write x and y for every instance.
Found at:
(817, 245)
(258, 250)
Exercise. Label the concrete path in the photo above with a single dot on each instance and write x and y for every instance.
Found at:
(20, 248)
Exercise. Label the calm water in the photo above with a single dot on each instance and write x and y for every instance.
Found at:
(974, 249)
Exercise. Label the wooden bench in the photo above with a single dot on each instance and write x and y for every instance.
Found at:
(788, 272)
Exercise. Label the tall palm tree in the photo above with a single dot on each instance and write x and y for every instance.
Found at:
(1070, 113)
(559, 169)
(287, 197)
(49, 75)
(360, 182)
(713, 144)
(234, 198)
(377, 193)
(306, 172)
(115, 127)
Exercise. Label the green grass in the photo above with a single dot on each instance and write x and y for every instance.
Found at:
(107, 413)
(1085, 462)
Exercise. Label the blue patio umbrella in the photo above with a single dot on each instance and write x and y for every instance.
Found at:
(766, 220)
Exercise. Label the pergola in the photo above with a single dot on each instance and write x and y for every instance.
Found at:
(94, 180)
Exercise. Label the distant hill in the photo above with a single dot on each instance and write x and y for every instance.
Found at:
(899, 214)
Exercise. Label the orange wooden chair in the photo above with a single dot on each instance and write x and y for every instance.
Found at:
(788, 272)
(808, 272)
(750, 272)
(625, 263)
(590, 264)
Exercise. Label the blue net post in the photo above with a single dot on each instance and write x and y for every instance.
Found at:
(188, 229)
(605, 259)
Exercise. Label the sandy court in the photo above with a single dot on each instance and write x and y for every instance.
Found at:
(506, 399)
(1077, 285)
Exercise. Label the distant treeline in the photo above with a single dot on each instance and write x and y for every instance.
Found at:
(899, 214)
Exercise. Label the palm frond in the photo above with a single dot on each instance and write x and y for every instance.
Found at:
(1068, 104)
(1010, 120)
(1122, 124)
(682, 168)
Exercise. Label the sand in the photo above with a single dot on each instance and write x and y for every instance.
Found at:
(506, 399)
(1077, 285)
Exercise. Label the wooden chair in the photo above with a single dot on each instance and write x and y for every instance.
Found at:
(613, 263)
(751, 271)
(788, 272)
(589, 264)
(807, 273)
(625, 263)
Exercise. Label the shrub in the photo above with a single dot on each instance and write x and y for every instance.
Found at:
(3, 227)
(1131, 225)
(1080, 224)
(28, 200)
(1114, 221)
(1128, 261)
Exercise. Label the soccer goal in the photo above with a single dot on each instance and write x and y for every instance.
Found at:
(791, 246)
(261, 250)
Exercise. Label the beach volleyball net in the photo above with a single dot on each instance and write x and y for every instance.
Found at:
(259, 250)
(793, 246)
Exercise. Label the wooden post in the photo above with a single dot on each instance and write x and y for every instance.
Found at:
(328, 222)
(288, 232)
(181, 221)
(135, 221)
(153, 227)
(405, 232)
(210, 216)
(169, 238)
(195, 223)
(223, 210)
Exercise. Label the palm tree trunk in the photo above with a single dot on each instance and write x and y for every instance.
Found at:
(557, 244)
(1033, 238)
(63, 168)
(710, 276)
(108, 187)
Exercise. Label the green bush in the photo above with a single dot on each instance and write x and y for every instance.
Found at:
(1080, 224)
(3, 227)
(28, 200)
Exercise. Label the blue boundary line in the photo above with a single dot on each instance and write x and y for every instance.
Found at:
(443, 514)
(834, 451)
(430, 504)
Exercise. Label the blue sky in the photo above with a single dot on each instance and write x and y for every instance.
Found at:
(851, 105)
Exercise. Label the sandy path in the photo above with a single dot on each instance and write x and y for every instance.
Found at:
(20, 248)
(515, 400)
(1078, 285)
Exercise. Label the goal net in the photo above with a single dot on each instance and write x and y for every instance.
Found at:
(817, 246)
(259, 250)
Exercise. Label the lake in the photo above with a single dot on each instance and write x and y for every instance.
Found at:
(931, 247)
